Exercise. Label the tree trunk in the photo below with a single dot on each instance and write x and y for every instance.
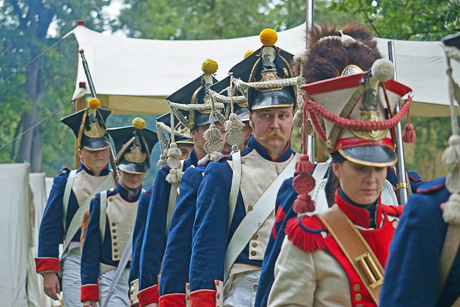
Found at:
(31, 147)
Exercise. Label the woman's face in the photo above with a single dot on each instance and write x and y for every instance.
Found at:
(362, 184)
(131, 181)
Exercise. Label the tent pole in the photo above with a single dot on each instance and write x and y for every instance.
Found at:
(309, 142)
(80, 104)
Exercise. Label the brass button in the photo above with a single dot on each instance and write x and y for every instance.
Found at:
(358, 297)
(116, 256)
(217, 282)
(114, 243)
(110, 199)
(254, 287)
(132, 291)
(218, 295)
(250, 208)
(188, 286)
(114, 230)
(356, 287)
(114, 237)
(187, 297)
(254, 244)
(255, 236)
(395, 224)
(253, 253)
(115, 250)
(359, 305)
(113, 224)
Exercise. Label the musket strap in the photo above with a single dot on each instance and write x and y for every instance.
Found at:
(356, 249)
(172, 200)
(235, 188)
(103, 215)
(448, 253)
(67, 190)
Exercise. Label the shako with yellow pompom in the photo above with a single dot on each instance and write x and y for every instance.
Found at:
(268, 66)
(89, 126)
(133, 145)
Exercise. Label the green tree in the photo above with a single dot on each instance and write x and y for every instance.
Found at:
(28, 93)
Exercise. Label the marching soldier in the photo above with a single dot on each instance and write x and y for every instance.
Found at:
(185, 144)
(423, 268)
(336, 257)
(176, 263)
(236, 198)
(69, 198)
(192, 106)
(107, 243)
(287, 194)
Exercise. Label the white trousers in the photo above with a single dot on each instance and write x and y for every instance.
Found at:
(120, 293)
(243, 290)
(71, 280)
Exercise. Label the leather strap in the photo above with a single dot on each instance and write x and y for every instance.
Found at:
(67, 190)
(356, 249)
(448, 253)
(262, 209)
(235, 188)
(103, 215)
(78, 217)
(172, 200)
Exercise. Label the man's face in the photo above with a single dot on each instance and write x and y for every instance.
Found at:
(96, 160)
(272, 126)
(185, 149)
(199, 140)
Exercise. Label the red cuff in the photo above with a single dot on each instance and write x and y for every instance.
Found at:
(47, 264)
(172, 300)
(89, 293)
(203, 298)
(148, 296)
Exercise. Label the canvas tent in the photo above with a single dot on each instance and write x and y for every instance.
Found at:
(133, 76)
(19, 285)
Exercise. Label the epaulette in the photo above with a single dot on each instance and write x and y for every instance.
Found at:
(433, 185)
(111, 192)
(414, 176)
(224, 158)
(306, 233)
(393, 210)
(150, 190)
(166, 168)
(205, 163)
(63, 171)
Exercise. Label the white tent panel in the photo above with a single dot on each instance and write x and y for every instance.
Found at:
(16, 222)
(135, 75)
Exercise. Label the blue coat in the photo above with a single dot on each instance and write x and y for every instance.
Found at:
(52, 231)
(93, 252)
(152, 228)
(176, 263)
(210, 238)
(284, 212)
(412, 271)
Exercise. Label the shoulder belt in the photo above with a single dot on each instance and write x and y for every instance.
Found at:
(255, 218)
(77, 218)
(172, 200)
(448, 253)
(356, 249)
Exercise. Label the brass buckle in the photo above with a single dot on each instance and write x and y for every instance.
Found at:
(370, 270)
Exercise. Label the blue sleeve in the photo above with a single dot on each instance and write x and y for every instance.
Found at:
(175, 273)
(154, 240)
(412, 271)
(138, 233)
(51, 227)
(91, 251)
(284, 212)
(210, 228)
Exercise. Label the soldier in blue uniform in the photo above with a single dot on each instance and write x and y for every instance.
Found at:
(175, 271)
(107, 242)
(195, 98)
(185, 144)
(287, 194)
(423, 268)
(69, 198)
(222, 211)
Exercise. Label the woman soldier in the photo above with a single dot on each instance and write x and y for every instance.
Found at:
(336, 258)
(104, 261)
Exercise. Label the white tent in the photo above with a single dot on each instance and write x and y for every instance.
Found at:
(19, 284)
(133, 76)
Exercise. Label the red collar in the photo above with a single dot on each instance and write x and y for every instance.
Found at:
(358, 216)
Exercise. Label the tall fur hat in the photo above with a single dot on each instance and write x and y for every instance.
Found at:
(332, 50)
